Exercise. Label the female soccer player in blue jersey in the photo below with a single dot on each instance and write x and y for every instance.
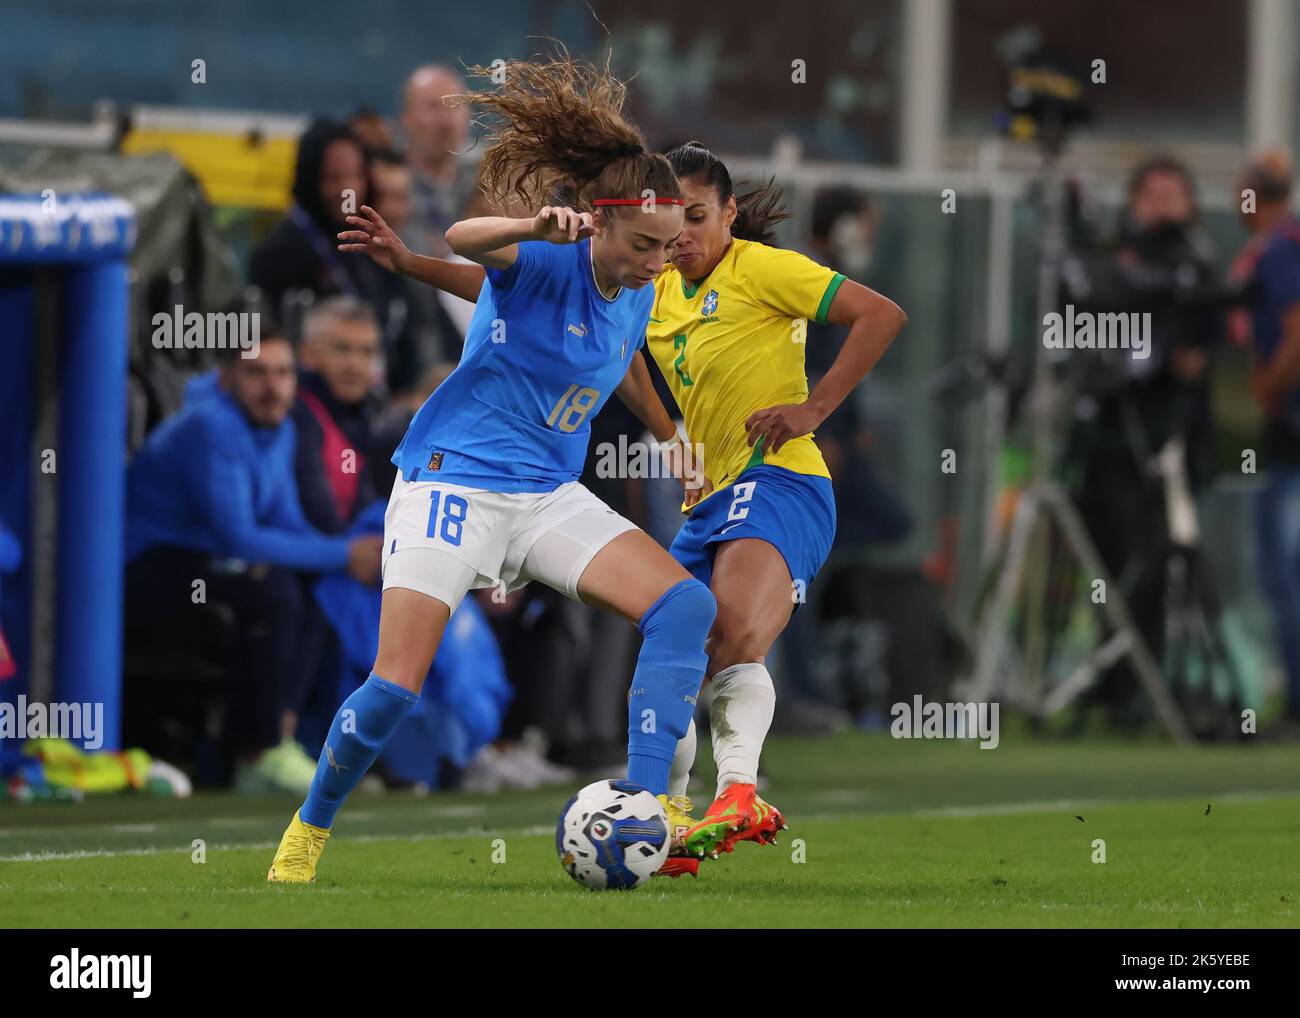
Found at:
(487, 490)
(761, 535)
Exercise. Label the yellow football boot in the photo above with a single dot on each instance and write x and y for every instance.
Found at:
(300, 848)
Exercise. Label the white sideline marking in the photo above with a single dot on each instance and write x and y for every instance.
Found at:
(106, 853)
(929, 813)
(451, 812)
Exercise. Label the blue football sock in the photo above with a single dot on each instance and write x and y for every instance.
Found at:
(361, 728)
(669, 671)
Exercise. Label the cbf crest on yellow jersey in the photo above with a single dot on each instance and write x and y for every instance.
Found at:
(734, 343)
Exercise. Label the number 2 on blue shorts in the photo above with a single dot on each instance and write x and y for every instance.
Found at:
(740, 502)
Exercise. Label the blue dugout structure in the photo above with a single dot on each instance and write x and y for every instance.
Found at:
(64, 317)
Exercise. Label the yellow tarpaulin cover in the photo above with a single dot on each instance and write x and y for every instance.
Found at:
(239, 170)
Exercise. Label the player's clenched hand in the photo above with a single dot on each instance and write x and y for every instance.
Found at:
(365, 555)
(559, 225)
(778, 424)
(374, 237)
(684, 463)
(696, 489)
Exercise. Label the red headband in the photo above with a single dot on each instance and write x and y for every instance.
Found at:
(637, 201)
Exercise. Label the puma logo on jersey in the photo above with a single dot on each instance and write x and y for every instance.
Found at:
(578, 330)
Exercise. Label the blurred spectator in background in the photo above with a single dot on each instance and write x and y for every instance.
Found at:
(299, 260)
(1269, 267)
(371, 128)
(868, 638)
(389, 427)
(434, 335)
(435, 133)
(879, 626)
(390, 180)
(334, 411)
(211, 497)
(844, 223)
(541, 640)
(1136, 413)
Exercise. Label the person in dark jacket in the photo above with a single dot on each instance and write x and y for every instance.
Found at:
(298, 262)
(213, 518)
(335, 411)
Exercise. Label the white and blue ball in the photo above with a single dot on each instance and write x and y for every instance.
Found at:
(612, 835)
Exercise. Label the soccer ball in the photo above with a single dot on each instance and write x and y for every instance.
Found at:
(612, 835)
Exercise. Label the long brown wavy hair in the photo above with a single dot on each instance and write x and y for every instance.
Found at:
(559, 134)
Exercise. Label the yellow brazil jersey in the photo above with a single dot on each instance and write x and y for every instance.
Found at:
(733, 343)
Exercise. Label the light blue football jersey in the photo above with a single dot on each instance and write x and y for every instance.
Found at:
(543, 353)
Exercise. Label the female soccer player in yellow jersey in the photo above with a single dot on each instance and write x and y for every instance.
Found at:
(727, 330)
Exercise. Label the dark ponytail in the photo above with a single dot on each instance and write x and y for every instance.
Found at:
(757, 210)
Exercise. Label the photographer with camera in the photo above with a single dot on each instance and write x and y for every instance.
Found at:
(1141, 435)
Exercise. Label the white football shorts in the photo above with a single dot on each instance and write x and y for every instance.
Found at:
(444, 540)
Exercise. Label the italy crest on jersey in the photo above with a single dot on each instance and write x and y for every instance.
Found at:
(710, 303)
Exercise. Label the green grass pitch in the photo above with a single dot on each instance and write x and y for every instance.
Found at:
(883, 833)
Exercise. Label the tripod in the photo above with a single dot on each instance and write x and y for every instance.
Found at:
(1023, 572)
(1192, 632)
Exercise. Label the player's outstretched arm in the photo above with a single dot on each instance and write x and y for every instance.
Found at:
(494, 240)
(638, 394)
(489, 240)
(460, 279)
(874, 320)
(371, 235)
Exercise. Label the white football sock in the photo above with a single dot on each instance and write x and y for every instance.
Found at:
(744, 700)
(683, 761)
